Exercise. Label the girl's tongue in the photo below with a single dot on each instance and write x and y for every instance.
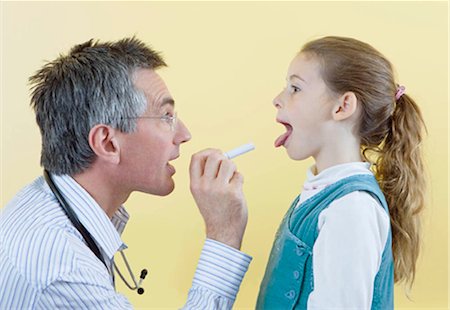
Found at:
(282, 139)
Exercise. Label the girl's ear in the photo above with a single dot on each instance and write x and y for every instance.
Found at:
(104, 143)
(345, 106)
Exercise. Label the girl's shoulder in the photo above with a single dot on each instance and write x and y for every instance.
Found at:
(356, 210)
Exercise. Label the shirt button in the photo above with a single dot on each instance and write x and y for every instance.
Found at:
(290, 294)
(299, 251)
(296, 274)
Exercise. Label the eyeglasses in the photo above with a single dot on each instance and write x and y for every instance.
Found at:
(171, 120)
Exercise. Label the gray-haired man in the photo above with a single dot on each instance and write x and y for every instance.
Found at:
(109, 128)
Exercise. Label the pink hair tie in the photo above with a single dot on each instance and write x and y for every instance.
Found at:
(400, 91)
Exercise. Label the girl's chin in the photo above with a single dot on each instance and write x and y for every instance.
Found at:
(296, 154)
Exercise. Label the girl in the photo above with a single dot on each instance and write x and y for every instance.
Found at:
(352, 232)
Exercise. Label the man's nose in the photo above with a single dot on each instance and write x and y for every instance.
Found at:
(182, 133)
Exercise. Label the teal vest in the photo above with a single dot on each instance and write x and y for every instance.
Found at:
(289, 280)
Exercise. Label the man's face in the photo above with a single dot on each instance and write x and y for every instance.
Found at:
(145, 153)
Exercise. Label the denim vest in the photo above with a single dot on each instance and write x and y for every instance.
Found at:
(289, 279)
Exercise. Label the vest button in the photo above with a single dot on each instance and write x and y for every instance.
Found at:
(290, 294)
(296, 274)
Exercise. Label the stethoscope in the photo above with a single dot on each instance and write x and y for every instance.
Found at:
(90, 241)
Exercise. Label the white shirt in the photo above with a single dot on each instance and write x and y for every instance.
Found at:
(347, 253)
(45, 264)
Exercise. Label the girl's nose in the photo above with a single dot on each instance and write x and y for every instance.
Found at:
(277, 101)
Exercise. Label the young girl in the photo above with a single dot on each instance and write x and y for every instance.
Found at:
(355, 228)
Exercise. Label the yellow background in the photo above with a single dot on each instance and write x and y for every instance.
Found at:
(226, 63)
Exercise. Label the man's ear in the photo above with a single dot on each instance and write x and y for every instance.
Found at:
(103, 141)
(345, 106)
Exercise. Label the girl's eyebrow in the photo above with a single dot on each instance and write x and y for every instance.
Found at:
(298, 77)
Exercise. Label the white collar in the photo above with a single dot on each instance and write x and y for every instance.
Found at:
(334, 174)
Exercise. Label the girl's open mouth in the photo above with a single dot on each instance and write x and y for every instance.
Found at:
(282, 139)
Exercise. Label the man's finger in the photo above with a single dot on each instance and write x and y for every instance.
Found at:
(237, 179)
(226, 171)
(197, 164)
(212, 165)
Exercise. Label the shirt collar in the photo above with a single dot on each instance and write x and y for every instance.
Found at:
(333, 174)
(106, 232)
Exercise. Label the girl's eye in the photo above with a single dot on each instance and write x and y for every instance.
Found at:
(294, 88)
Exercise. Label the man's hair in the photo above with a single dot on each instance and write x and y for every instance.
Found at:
(91, 85)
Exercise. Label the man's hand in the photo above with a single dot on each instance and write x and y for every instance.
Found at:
(217, 189)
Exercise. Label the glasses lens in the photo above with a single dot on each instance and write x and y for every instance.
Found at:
(173, 124)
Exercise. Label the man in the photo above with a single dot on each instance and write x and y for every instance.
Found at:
(108, 129)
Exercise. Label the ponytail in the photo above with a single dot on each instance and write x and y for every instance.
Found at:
(400, 172)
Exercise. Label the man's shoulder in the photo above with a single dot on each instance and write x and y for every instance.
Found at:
(32, 210)
(38, 251)
(37, 239)
(35, 194)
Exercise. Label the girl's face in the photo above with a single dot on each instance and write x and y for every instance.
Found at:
(304, 108)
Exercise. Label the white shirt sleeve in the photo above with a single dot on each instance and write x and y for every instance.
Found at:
(347, 253)
(219, 274)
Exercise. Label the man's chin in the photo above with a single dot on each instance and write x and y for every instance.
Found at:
(163, 191)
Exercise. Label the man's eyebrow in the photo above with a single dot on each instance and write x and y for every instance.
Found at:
(298, 77)
(167, 100)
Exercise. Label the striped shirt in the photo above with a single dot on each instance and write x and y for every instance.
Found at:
(45, 264)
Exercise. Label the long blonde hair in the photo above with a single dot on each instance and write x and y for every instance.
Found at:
(390, 129)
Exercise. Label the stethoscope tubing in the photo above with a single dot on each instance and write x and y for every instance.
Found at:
(88, 237)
